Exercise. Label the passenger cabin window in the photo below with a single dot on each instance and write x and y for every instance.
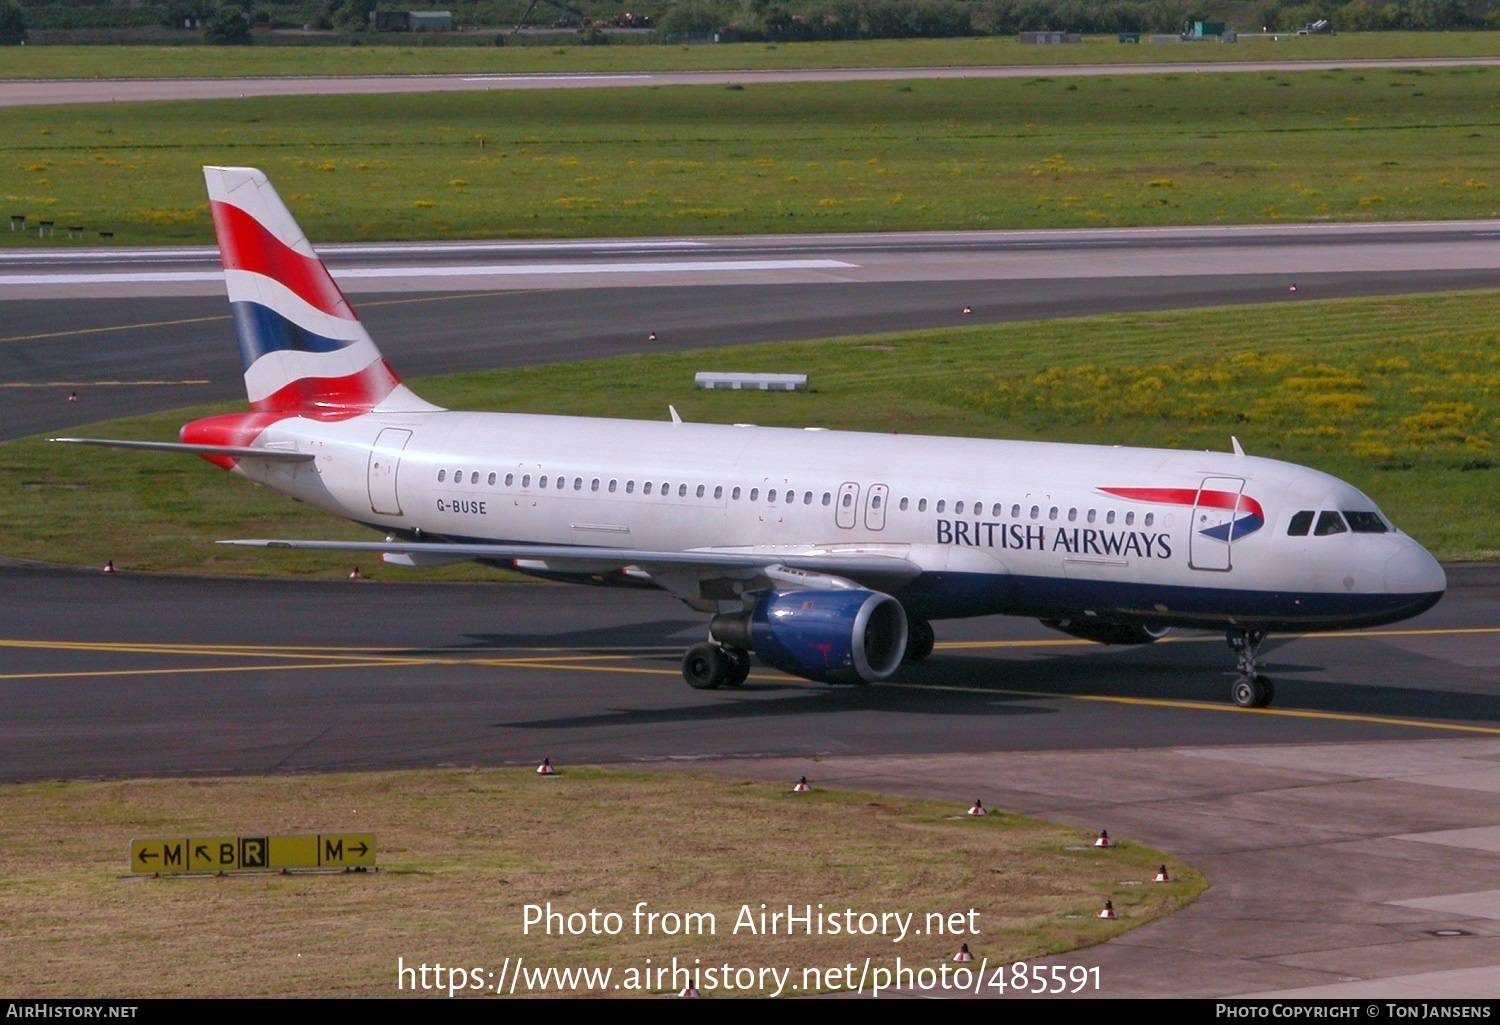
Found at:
(1072, 515)
(755, 495)
(1052, 513)
(941, 504)
(1015, 512)
(1109, 517)
(1365, 522)
(735, 494)
(561, 482)
(921, 505)
(771, 496)
(682, 491)
(542, 481)
(718, 491)
(1091, 516)
(614, 483)
(526, 481)
(848, 500)
(646, 488)
(510, 479)
(958, 509)
(1036, 511)
(1129, 519)
(700, 491)
(474, 477)
(492, 480)
(630, 487)
(827, 497)
(807, 498)
(1329, 522)
(577, 483)
(1150, 519)
(904, 502)
(441, 475)
(1301, 524)
(594, 485)
(875, 502)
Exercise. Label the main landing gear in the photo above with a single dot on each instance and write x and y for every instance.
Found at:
(1252, 688)
(710, 666)
(919, 640)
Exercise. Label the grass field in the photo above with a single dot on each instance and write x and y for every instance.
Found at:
(1399, 396)
(1043, 152)
(462, 852)
(236, 62)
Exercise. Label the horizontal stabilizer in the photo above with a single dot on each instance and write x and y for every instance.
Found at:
(229, 451)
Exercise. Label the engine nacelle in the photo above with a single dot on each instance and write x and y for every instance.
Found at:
(1108, 633)
(851, 636)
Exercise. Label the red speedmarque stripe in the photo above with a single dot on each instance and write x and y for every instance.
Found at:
(245, 244)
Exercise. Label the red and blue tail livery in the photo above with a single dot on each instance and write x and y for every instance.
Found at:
(302, 348)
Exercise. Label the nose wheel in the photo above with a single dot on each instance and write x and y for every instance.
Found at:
(1255, 691)
(1252, 688)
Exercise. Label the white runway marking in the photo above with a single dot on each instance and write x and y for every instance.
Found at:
(682, 267)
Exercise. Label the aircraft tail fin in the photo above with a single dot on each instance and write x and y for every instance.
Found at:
(303, 349)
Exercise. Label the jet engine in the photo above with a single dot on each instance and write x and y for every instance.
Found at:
(1108, 633)
(852, 636)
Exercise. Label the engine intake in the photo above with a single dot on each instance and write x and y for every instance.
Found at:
(851, 636)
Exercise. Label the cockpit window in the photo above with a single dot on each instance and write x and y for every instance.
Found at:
(1329, 523)
(1365, 522)
(1301, 524)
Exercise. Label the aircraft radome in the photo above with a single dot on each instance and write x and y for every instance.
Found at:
(827, 554)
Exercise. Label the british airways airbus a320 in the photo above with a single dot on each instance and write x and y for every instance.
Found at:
(826, 554)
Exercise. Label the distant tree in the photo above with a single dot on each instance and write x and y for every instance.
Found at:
(12, 24)
(227, 26)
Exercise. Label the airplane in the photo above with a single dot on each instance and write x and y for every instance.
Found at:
(827, 554)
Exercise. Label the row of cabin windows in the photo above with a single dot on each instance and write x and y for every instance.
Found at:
(1330, 522)
(789, 496)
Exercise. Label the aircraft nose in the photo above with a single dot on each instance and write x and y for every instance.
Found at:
(1413, 570)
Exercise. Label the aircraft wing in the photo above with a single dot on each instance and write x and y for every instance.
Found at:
(702, 577)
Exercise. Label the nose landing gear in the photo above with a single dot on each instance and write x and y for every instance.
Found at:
(1252, 688)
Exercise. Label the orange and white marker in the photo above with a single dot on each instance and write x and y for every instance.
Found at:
(109, 565)
(978, 808)
(354, 574)
(968, 309)
(546, 769)
(688, 991)
(963, 956)
(1161, 876)
(1104, 840)
(802, 786)
(1108, 910)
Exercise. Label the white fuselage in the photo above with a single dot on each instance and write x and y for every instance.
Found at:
(996, 526)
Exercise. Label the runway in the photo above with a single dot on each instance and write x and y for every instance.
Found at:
(144, 675)
(136, 331)
(19, 93)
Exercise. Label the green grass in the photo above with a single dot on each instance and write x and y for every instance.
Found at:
(235, 62)
(462, 852)
(1399, 396)
(1043, 152)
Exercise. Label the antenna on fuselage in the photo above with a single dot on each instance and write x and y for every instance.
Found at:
(1236, 443)
(676, 420)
